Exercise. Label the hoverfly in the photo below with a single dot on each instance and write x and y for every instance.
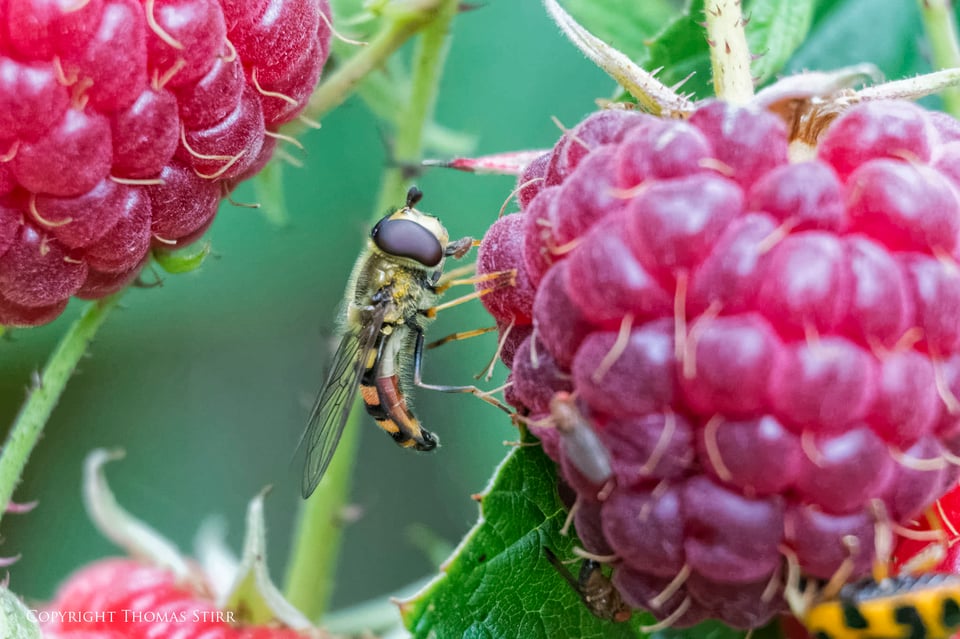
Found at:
(901, 607)
(390, 300)
(594, 588)
(904, 606)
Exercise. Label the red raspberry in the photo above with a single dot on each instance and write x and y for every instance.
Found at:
(121, 130)
(765, 347)
(114, 598)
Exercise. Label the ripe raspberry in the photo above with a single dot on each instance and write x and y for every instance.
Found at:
(125, 598)
(768, 349)
(121, 130)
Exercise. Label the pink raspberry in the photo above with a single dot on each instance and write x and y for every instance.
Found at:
(121, 131)
(123, 598)
(766, 348)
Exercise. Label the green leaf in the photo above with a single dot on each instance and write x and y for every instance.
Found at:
(499, 583)
(774, 31)
(680, 49)
(16, 621)
(623, 24)
(847, 32)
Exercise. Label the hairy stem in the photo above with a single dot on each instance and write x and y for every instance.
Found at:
(729, 53)
(316, 542)
(651, 94)
(409, 18)
(428, 60)
(317, 538)
(938, 21)
(45, 393)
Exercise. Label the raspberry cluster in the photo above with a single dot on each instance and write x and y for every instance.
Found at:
(125, 599)
(766, 348)
(122, 124)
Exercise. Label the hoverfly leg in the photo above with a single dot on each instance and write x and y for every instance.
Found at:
(473, 390)
(502, 278)
(455, 337)
(455, 273)
(433, 310)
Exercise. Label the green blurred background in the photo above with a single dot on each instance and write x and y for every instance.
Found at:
(207, 381)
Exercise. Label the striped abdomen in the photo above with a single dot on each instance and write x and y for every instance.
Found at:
(384, 401)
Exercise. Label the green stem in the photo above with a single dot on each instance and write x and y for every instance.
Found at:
(938, 21)
(729, 53)
(318, 532)
(428, 59)
(46, 393)
(397, 30)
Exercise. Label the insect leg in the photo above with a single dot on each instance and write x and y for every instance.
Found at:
(433, 310)
(503, 278)
(455, 273)
(473, 390)
(454, 337)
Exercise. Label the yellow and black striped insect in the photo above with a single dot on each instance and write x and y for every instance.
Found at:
(391, 298)
(594, 588)
(901, 607)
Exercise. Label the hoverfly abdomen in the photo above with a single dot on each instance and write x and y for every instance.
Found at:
(385, 402)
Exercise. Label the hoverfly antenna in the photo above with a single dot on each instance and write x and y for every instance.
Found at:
(414, 195)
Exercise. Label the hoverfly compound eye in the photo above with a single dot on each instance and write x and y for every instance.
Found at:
(406, 238)
(376, 228)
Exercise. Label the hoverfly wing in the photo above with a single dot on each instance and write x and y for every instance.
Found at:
(330, 413)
